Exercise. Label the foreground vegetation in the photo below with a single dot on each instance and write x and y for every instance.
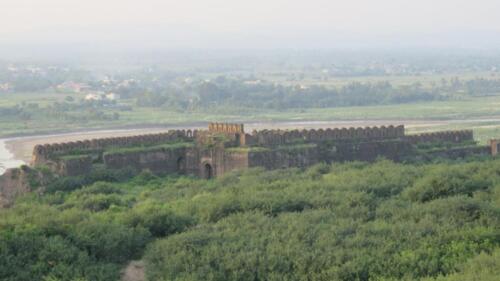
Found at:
(355, 221)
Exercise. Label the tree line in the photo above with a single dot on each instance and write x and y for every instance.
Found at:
(223, 92)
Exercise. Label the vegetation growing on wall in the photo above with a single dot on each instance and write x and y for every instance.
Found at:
(146, 148)
(439, 145)
(246, 149)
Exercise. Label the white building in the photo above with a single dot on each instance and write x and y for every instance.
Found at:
(99, 96)
(93, 97)
(112, 96)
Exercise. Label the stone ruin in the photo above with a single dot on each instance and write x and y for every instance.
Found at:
(225, 147)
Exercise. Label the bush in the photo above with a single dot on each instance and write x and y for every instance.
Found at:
(353, 221)
(444, 181)
(158, 219)
(483, 267)
(67, 184)
(32, 256)
(110, 242)
(100, 188)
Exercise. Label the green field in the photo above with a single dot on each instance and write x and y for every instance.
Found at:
(481, 114)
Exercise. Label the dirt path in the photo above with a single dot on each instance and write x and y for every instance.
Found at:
(134, 272)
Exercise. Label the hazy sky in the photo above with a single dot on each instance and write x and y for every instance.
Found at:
(251, 23)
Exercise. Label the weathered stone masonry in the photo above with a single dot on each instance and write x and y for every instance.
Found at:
(226, 147)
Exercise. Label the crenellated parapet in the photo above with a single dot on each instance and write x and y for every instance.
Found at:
(443, 136)
(224, 147)
(279, 137)
(45, 152)
(226, 128)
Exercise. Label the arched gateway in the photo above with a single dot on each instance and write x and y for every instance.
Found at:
(181, 165)
(208, 171)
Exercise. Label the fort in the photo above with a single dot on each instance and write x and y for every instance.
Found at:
(227, 147)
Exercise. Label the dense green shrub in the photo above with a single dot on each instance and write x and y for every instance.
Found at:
(158, 219)
(33, 256)
(349, 222)
(353, 221)
(446, 181)
(109, 242)
(99, 188)
(483, 267)
(97, 174)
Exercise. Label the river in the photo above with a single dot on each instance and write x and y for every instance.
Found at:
(7, 159)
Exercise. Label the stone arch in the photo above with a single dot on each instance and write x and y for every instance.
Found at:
(181, 165)
(208, 171)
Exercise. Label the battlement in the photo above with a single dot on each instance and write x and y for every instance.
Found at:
(216, 150)
(443, 136)
(226, 128)
(278, 137)
(43, 152)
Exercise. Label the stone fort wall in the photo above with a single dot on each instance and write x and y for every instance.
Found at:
(259, 138)
(280, 137)
(344, 144)
(44, 152)
(444, 136)
(331, 145)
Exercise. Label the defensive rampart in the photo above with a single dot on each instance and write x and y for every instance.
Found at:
(281, 137)
(444, 136)
(42, 153)
(225, 147)
(158, 161)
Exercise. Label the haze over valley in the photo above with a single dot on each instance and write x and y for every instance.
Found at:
(249, 140)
